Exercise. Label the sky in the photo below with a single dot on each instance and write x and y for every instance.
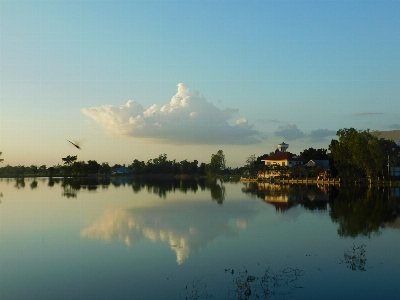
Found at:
(135, 79)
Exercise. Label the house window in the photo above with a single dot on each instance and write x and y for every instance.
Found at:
(283, 163)
(268, 163)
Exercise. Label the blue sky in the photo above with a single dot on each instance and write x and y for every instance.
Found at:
(241, 76)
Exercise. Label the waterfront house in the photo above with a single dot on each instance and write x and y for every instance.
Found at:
(283, 159)
(279, 162)
(323, 163)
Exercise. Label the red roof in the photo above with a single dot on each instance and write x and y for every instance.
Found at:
(282, 156)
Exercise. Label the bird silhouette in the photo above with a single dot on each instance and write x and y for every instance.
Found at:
(77, 146)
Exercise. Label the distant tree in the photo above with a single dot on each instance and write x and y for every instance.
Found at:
(137, 166)
(280, 171)
(311, 153)
(226, 171)
(251, 165)
(217, 164)
(391, 152)
(260, 158)
(42, 169)
(34, 170)
(161, 165)
(202, 169)
(105, 168)
(78, 167)
(58, 169)
(93, 167)
(357, 153)
(297, 171)
(193, 167)
(185, 167)
(20, 170)
(51, 171)
(69, 160)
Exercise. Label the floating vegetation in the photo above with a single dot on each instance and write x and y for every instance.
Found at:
(246, 286)
(355, 258)
(197, 289)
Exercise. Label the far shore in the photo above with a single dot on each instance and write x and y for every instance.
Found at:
(141, 176)
(332, 181)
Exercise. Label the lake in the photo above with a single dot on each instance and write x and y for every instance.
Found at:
(127, 238)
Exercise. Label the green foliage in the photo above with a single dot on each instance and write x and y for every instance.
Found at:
(51, 171)
(357, 153)
(105, 168)
(391, 152)
(216, 165)
(34, 169)
(93, 167)
(69, 160)
(161, 165)
(251, 165)
(202, 169)
(20, 170)
(78, 167)
(312, 153)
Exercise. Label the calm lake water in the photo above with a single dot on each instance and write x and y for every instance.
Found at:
(131, 239)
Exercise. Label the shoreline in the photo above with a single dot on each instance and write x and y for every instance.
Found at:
(333, 181)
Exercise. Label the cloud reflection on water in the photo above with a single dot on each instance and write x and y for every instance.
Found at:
(187, 227)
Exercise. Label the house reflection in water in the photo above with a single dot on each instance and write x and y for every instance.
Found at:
(284, 197)
(281, 202)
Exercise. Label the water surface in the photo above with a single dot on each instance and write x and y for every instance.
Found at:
(125, 238)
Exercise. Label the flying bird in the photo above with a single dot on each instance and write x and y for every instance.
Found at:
(77, 146)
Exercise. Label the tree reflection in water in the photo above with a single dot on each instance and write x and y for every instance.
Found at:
(363, 211)
(34, 184)
(19, 182)
(246, 285)
(71, 186)
(217, 189)
(160, 186)
(359, 211)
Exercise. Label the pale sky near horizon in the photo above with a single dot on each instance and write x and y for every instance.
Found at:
(135, 79)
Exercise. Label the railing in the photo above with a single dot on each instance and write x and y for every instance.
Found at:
(295, 181)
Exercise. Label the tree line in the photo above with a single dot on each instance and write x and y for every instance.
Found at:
(355, 154)
(160, 165)
(362, 154)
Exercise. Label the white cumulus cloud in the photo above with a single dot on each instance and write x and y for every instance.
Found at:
(187, 119)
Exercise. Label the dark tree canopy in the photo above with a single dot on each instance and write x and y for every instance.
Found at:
(69, 160)
(217, 164)
(357, 153)
(311, 153)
